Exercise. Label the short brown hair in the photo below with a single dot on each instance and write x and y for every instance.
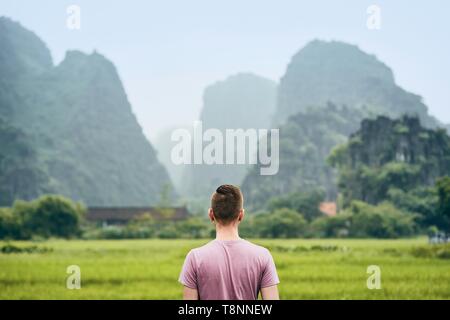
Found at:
(226, 203)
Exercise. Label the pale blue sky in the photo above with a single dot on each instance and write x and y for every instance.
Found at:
(166, 52)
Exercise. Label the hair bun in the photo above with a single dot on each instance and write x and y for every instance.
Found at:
(221, 189)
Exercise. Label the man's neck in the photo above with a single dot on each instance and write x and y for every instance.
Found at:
(227, 233)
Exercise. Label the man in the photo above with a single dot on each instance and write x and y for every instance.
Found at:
(229, 268)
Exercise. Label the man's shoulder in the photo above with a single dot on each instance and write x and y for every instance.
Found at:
(211, 247)
(202, 248)
(257, 247)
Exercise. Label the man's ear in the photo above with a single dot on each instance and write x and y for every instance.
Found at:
(211, 215)
(241, 215)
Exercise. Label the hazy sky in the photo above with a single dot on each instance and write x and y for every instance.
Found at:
(166, 52)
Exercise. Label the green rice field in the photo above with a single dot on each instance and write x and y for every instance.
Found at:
(149, 269)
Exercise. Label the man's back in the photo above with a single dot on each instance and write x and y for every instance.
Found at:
(229, 270)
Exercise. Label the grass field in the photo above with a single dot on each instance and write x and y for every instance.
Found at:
(148, 269)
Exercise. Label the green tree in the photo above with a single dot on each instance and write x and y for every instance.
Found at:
(422, 201)
(282, 223)
(48, 216)
(331, 227)
(362, 220)
(443, 189)
(382, 221)
(194, 227)
(10, 227)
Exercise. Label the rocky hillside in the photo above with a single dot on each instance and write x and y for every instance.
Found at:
(385, 155)
(78, 119)
(342, 73)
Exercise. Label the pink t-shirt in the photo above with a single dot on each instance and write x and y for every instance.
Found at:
(229, 270)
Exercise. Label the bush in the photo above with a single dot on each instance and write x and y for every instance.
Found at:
(331, 227)
(194, 227)
(9, 225)
(440, 251)
(145, 227)
(48, 216)
(423, 201)
(282, 223)
(168, 231)
(10, 248)
(382, 221)
(362, 220)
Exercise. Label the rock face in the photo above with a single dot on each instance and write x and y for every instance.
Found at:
(20, 175)
(386, 154)
(242, 101)
(404, 140)
(342, 73)
(79, 121)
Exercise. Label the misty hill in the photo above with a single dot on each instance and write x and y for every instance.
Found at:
(78, 120)
(327, 90)
(163, 145)
(342, 73)
(245, 101)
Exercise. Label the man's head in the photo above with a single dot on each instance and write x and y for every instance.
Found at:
(227, 205)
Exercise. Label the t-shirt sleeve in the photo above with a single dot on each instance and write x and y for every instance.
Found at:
(188, 275)
(270, 276)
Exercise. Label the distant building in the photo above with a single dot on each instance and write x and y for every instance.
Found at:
(328, 208)
(122, 215)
